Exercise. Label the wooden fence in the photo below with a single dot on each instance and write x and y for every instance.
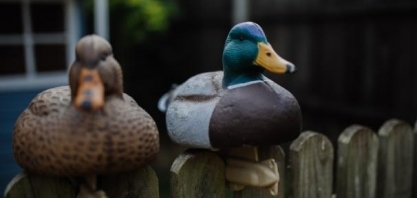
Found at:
(368, 165)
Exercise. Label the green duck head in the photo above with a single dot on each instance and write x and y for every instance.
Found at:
(247, 54)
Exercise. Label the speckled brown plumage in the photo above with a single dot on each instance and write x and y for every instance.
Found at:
(54, 137)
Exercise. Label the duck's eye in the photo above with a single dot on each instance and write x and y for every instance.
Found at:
(241, 38)
(103, 57)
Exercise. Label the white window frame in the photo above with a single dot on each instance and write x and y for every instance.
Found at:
(32, 79)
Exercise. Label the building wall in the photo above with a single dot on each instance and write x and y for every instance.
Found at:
(12, 104)
(35, 50)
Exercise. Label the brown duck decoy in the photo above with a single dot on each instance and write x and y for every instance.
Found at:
(88, 128)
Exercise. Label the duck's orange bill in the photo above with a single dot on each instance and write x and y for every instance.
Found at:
(90, 94)
(271, 61)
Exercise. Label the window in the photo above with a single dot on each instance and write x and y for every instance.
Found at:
(37, 41)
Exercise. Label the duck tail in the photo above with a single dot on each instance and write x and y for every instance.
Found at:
(165, 99)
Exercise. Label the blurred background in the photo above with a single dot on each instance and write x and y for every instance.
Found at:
(356, 59)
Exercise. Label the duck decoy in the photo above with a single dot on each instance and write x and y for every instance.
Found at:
(88, 128)
(238, 109)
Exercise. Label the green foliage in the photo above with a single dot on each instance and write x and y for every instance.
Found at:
(138, 19)
(143, 17)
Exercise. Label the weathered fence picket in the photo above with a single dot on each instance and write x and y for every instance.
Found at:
(357, 163)
(141, 183)
(311, 156)
(395, 160)
(198, 173)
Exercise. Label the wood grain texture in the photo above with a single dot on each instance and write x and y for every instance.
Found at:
(395, 160)
(311, 156)
(198, 173)
(141, 183)
(265, 153)
(357, 163)
(31, 186)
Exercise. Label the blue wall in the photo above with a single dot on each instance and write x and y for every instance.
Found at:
(11, 105)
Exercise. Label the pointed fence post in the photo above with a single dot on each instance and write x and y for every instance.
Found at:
(198, 173)
(311, 156)
(267, 152)
(357, 163)
(395, 160)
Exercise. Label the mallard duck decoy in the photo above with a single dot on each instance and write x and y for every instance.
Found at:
(88, 128)
(238, 106)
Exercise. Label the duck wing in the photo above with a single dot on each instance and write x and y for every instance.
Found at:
(188, 115)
